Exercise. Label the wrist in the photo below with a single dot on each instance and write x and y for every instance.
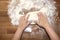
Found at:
(46, 26)
(21, 27)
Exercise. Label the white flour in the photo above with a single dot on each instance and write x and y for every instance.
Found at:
(16, 9)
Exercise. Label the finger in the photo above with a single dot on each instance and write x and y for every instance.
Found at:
(41, 16)
(27, 17)
(38, 16)
(27, 24)
(22, 17)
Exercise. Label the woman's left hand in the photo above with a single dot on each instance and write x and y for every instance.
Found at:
(23, 22)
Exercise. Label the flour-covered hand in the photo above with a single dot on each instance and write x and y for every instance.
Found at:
(42, 20)
(23, 22)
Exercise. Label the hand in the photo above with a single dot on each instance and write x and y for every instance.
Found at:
(23, 22)
(42, 20)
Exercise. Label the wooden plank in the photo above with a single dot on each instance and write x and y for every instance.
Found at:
(57, 0)
(4, 0)
(5, 24)
(3, 13)
(4, 19)
(3, 5)
(58, 4)
(11, 30)
(8, 29)
(6, 36)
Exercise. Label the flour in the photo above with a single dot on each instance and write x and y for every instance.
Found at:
(16, 10)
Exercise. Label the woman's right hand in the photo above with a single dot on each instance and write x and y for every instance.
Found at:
(42, 20)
